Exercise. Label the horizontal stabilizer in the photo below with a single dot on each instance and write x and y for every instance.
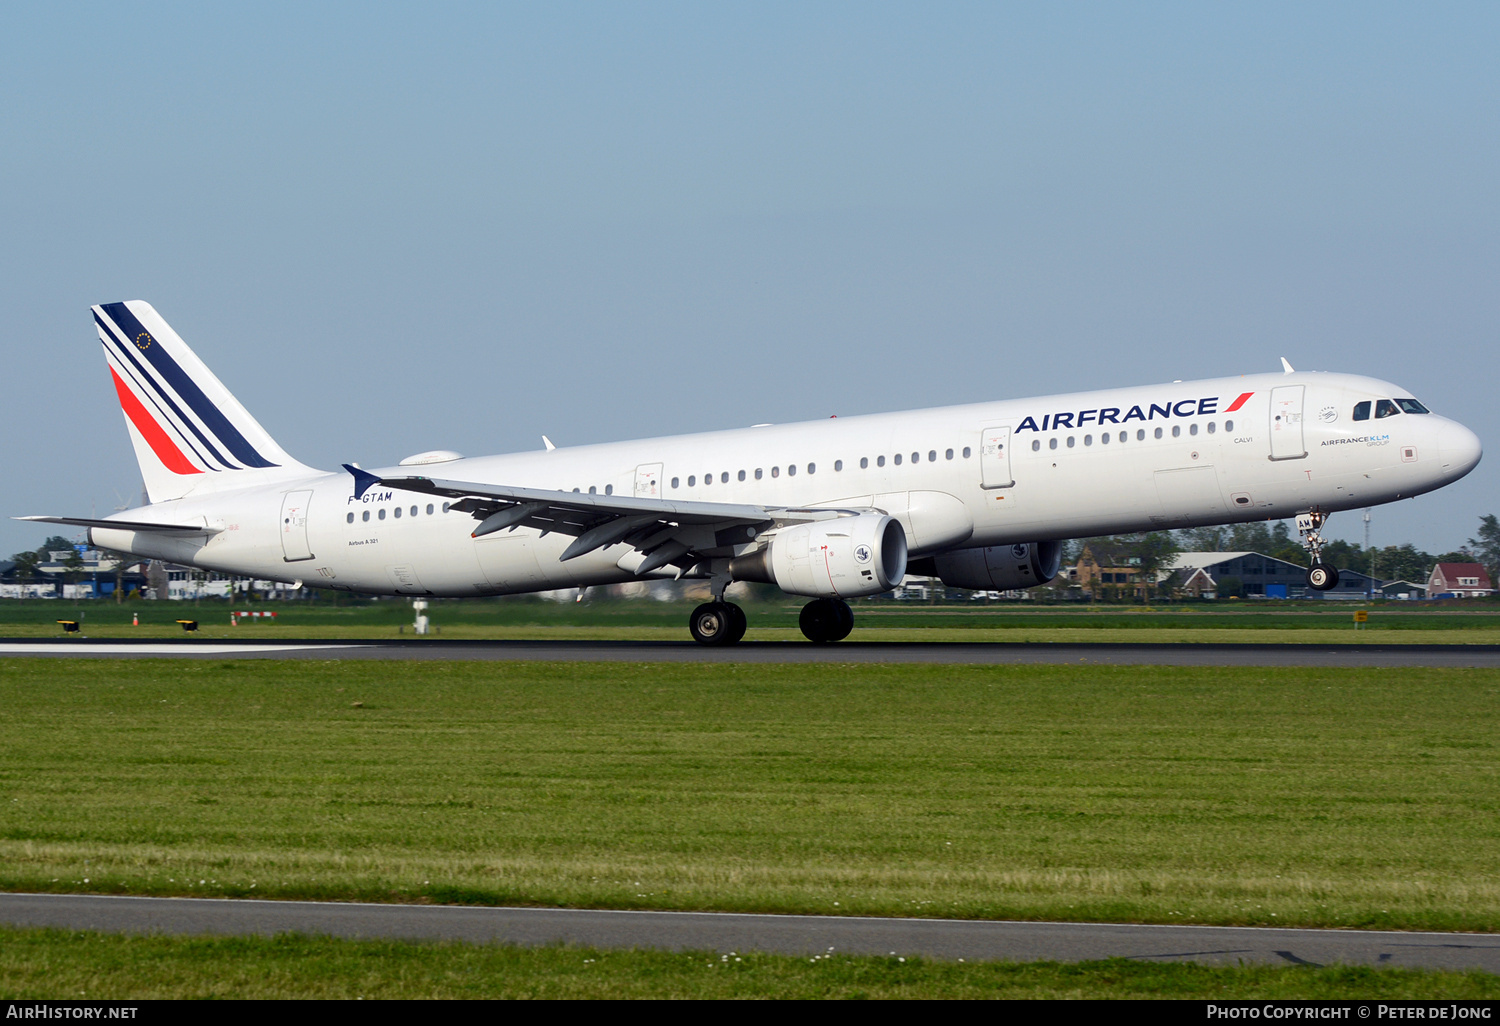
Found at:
(125, 525)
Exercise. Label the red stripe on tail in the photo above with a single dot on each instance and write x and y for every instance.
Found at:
(1238, 402)
(170, 456)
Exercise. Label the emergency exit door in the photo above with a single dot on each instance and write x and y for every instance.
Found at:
(294, 526)
(994, 458)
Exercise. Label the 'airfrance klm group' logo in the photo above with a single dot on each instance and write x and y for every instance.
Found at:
(862, 553)
(1113, 414)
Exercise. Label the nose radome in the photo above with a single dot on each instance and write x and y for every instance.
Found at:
(1458, 449)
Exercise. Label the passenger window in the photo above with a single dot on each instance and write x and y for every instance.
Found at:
(791, 470)
(1385, 408)
(896, 459)
(864, 463)
(838, 465)
(916, 457)
(742, 475)
(1140, 434)
(1104, 438)
(1362, 410)
(1192, 429)
(609, 489)
(1036, 446)
(1088, 439)
(812, 468)
(1158, 432)
(1229, 425)
(708, 479)
(948, 455)
(1124, 435)
(414, 511)
(932, 456)
(365, 516)
(880, 461)
(757, 473)
(398, 512)
(775, 471)
(349, 519)
(446, 506)
(429, 506)
(966, 452)
(724, 477)
(692, 480)
(1176, 430)
(1070, 441)
(381, 514)
(1052, 443)
(674, 482)
(593, 490)
(1211, 428)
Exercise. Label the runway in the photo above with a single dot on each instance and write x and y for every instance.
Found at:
(971, 653)
(947, 939)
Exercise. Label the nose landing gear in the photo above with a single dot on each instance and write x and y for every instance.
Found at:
(825, 620)
(1320, 576)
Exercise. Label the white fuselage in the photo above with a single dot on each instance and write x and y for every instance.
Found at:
(1166, 456)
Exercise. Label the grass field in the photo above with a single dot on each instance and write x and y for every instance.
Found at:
(1222, 795)
(536, 619)
(58, 964)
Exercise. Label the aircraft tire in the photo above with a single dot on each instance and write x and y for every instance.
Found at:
(713, 624)
(738, 623)
(845, 619)
(1322, 577)
(821, 623)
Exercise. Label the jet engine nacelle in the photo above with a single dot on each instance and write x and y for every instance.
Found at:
(1000, 567)
(843, 557)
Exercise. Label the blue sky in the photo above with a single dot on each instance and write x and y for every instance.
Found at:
(396, 228)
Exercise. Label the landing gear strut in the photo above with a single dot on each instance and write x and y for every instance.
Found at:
(824, 620)
(1320, 576)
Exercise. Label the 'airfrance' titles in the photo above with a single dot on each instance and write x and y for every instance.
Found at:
(1114, 414)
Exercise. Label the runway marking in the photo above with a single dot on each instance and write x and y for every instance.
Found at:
(167, 648)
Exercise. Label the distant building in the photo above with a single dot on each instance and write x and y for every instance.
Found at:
(1459, 580)
(1403, 590)
(1203, 574)
(1101, 571)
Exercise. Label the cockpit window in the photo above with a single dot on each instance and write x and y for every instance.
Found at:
(1385, 408)
(1362, 410)
(1411, 406)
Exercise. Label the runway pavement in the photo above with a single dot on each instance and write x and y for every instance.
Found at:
(723, 932)
(981, 653)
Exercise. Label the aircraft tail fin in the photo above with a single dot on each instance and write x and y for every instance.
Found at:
(190, 433)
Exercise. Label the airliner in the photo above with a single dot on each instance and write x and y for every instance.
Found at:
(981, 496)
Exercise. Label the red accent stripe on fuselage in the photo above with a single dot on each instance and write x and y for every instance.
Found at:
(170, 456)
(1238, 402)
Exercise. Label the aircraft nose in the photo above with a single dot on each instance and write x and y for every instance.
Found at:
(1458, 449)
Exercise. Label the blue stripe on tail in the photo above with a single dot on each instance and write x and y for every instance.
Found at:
(185, 387)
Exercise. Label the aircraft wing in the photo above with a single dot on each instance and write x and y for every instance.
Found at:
(126, 525)
(665, 531)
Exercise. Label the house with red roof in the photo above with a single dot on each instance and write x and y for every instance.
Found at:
(1459, 580)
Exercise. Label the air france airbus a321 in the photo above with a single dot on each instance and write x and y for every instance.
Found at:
(980, 496)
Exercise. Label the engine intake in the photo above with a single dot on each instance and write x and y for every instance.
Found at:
(1000, 567)
(861, 554)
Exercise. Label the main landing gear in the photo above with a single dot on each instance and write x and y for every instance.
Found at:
(723, 623)
(1320, 576)
(824, 620)
(717, 623)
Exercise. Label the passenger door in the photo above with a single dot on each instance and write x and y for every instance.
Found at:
(294, 526)
(994, 458)
(1286, 423)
